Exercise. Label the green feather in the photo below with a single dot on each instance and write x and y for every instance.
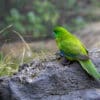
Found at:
(90, 68)
(74, 49)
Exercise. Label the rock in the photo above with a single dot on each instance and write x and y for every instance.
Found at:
(4, 89)
(49, 80)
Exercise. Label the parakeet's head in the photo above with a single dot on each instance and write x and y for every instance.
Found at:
(58, 31)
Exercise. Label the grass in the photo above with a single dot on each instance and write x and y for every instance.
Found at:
(9, 62)
(7, 65)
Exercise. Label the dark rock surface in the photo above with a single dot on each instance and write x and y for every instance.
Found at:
(49, 80)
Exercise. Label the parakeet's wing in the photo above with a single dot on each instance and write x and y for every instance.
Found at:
(73, 50)
(80, 43)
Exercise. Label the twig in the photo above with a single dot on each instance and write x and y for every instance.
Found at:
(23, 55)
(22, 39)
(6, 28)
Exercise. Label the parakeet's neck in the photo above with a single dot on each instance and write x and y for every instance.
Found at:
(60, 37)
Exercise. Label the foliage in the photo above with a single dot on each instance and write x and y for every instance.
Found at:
(16, 19)
(7, 65)
(35, 21)
(71, 4)
(96, 2)
(37, 17)
(76, 24)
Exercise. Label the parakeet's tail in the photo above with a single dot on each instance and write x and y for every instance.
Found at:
(90, 68)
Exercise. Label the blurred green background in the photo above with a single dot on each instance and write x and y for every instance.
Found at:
(37, 18)
(33, 22)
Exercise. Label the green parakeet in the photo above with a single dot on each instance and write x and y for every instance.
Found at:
(73, 49)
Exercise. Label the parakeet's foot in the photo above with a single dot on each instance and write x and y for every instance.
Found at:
(65, 62)
(62, 59)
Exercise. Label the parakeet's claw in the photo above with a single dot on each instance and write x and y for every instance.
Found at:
(65, 62)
